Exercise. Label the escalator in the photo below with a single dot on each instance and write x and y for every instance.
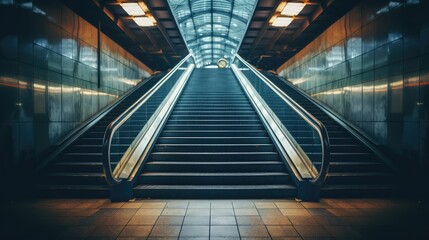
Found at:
(354, 169)
(77, 171)
(214, 145)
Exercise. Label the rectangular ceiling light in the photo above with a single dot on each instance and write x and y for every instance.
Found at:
(133, 9)
(292, 8)
(282, 21)
(143, 21)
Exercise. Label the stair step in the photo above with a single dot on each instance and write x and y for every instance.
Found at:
(215, 156)
(243, 166)
(358, 178)
(75, 178)
(214, 127)
(215, 191)
(214, 133)
(214, 140)
(72, 191)
(195, 148)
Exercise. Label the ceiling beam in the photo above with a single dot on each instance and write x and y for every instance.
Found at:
(263, 29)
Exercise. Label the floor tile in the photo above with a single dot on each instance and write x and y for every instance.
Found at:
(224, 231)
(221, 204)
(198, 212)
(107, 231)
(132, 205)
(149, 211)
(197, 220)
(177, 204)
(345, 212)
(143, 220)
(282, 231)
(223, 220)
(295, 212)
(289, 205)
(343, 232)
(174, 212)
(312, 231)
(303, 220)
(276, 220)
(78, 232)
(265, 205)
(246, 212)
(153, 205)
(165, 231)
(136, 231)
(253, 231)
(170, 220)
(243, 204)
(195, 231)
(199, 204)
(222, 212)
(250, 220)
(269, 212)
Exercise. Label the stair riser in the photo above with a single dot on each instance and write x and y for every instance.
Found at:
(349, 168)
(214, 180)
(247, 140)
(215, 194)
(358, 180)
(215, 117)
(214, 168)
(214, 157)
(214, 134)
(213, 122)
(77, 168)
(196, 148)
(207, 112)
(74, 180)
(214, 127)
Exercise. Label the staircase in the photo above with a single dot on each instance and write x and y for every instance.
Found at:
(214, 146)
(354, 169)
(78, 171)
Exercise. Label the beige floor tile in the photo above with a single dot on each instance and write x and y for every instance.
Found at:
(246, 212)
(136, 231)
(282, 231)
(253, 231)
(165, 231)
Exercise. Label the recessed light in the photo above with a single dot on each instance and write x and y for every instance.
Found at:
(282, 21)
(143, 21)
(133, 9)
(292, 8)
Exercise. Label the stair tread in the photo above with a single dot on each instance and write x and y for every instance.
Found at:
(212, 163)
(67, 186)
(213, 144)
(358, 174)
(214, 174)
(214, 187)
(74, 174)
(357, 186)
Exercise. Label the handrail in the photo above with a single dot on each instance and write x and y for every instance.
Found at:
(77, 132)
(121, 119)
(309, 118)
(369, 142)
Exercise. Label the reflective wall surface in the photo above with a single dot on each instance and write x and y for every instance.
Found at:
(49, 76)
(372, 67)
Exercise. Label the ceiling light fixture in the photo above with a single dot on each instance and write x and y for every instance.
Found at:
(282, 21)
(292, 8)
(144, 21)
(133, 9)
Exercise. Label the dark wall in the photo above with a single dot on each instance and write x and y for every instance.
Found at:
(49, 76)
(372, 67)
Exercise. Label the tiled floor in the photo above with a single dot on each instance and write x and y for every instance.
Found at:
(215, 219)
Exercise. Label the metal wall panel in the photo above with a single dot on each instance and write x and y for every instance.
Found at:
(48, 76)
(378, 56)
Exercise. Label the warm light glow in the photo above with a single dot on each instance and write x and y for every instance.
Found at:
(293, 8)
(143, 21)
(282, 21)
(133, 9)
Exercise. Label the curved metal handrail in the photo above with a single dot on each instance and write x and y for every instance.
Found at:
(309, 118)
(122, 118)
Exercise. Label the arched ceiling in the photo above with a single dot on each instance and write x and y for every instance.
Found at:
(212, 29)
